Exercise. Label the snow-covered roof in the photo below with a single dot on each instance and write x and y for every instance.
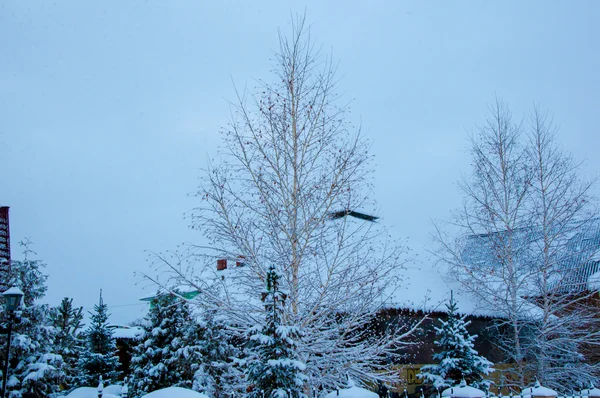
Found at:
(182, 289)
(427, 288)
(576, 249)
(127, 332)
(594, 281)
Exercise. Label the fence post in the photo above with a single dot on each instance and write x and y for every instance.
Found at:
(100, 388)
(124, 390)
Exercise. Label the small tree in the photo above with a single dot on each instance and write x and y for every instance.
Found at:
(456, 355)
(67, 320)
(98, 358)
(275, 370)
(169, 354)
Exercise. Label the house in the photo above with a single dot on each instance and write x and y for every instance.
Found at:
(126, 338)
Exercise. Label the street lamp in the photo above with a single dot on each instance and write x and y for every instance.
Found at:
(12, 300)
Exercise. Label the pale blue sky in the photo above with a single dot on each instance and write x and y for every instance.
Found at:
(109, 109)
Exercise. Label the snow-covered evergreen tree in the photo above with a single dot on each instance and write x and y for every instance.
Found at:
(218, 375)
(456, 355)
(169, 354)
(68, 343)
(34, 366)
(98, 357)
(275, 370)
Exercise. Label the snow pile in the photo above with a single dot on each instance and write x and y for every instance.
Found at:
(89, 392)
(113, 389)
(463, 391)
(352, 392)
(591, 392)
(174, 392)
(538, 391)
(594, 281)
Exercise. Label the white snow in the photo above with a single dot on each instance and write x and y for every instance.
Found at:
(591, 392)
(352, 392)
(427, 288)
(538, 391)
(174, 392)
(89, 392)
(126, 332)
(463, 391)
(113, 389)
(594, 281)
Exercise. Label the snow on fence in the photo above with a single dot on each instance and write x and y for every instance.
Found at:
(537, 391)
(461, 391)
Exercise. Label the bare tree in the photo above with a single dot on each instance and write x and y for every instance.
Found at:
(292, 171)
(563, 212)
(494, 208)
(524, 206)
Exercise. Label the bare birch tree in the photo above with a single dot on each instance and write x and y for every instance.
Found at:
(291, 162)
(494, 208)
(562, 210)
(524, 204)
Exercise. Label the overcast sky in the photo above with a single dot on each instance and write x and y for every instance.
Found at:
(109, 109)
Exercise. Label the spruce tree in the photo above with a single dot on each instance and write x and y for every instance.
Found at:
(275, 370)
(98, 357)
(456, 355)
(218, 374)
(67, 320)
(34, 366)
(169, 354)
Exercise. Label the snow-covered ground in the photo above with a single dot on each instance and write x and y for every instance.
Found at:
(114, 391)
(175, 392)
(352, 392)
(92, 392)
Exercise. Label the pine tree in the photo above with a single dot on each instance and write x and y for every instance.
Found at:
(275, 370)
(68, 343)
(169, 354)
(98, 357)
(218, 375)
(34, 366)
(456, 356)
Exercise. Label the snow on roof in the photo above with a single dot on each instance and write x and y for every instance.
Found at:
(182, 289)
(427, 288)
(575, 249)
(126, 332)
(174, 392)
(594, 281)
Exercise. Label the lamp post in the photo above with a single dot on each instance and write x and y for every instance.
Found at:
(12, 300)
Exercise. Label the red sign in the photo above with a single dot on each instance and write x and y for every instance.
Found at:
(4, 247)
